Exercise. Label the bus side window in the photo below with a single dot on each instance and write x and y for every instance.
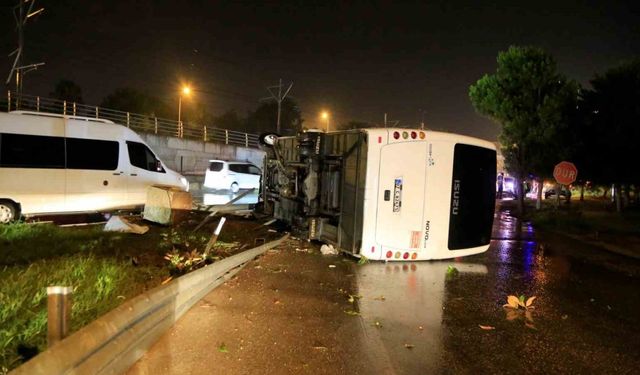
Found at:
(31, 151)
(92, 154)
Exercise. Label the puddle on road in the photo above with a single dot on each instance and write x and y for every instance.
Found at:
(402, 312)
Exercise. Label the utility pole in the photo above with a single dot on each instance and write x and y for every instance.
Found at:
(278, 98)
(391, 122)
(21, 14)
(422, 112)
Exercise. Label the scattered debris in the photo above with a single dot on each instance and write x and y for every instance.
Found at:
(165, 281)
(377, 324)
(223, 348)
(120, 224)
(363, 260)
(332, 266)
(409, 346)
(452, 271)
(379, 298)
(486, 328)
(352, 298)
(269, 222)
(514, 302)
(351, 312)
(328, 250)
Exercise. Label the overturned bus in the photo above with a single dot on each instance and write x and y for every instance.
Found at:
(386, 194)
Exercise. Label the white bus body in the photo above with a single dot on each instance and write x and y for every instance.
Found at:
(386, 194)
(61, 164)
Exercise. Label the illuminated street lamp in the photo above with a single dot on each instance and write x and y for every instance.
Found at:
(325, 116)
(186, 91)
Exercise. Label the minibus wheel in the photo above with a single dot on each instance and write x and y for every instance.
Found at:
(235, 188)
(8, 211)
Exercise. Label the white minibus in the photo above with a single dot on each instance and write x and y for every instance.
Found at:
(386, 194)
(62, 164)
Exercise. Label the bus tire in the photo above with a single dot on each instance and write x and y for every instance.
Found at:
(9, 211)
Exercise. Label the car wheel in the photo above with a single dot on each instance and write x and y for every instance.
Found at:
(8, 212)
(234, 188)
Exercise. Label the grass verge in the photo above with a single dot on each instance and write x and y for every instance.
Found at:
(99, 284)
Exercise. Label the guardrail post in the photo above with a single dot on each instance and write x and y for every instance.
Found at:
(180, 129)
(226, 137)
(246, 140)
(74, 108)
(64, 107)
(97, 112)
(58, 313)
(204, 133)
(37, 104)
(8, 100)
(156, 123)
(128, 116)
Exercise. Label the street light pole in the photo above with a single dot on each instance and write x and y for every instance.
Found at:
(325, 115)
(186, 90)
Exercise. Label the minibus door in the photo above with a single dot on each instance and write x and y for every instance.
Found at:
(401, 194)
(144, 171)
(95, 177)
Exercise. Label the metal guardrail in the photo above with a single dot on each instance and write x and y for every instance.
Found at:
(134, 121)
(115, 341)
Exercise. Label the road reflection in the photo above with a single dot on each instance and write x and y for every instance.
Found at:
(401, 306)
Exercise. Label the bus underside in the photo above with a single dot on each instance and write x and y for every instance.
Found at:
(315, 182)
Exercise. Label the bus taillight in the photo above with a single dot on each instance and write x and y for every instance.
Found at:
(396, 135)
(414, 135)
(389, 254)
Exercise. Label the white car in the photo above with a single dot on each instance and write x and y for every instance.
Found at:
(232, 175)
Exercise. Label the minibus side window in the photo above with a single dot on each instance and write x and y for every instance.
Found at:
(92, 154)
(140, 156)
(31, 151)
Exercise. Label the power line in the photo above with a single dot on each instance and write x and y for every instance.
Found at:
(21, 15)
(278, 98)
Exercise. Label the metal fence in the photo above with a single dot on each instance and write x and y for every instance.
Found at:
(134, 121)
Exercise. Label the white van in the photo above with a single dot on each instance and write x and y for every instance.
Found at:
(232, 175)
(61, 164)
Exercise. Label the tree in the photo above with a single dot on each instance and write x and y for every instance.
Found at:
(529, 99)
(355, 124)
(264, 118)
(67, 90)
(611, 113)
(128, 99)
(230, 120)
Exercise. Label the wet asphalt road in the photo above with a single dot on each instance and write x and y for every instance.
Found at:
(290, 312)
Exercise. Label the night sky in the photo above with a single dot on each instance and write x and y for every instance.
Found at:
(358, 60)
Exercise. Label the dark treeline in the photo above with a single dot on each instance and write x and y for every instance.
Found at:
(546, 117)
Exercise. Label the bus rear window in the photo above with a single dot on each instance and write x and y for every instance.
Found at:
(472, 196)
(215, 166)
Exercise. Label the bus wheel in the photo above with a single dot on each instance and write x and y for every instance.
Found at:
(8, 212)
(235, 188)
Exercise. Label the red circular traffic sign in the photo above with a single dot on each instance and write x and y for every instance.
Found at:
(565, 173)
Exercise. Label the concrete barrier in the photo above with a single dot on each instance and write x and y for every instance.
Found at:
(115, 341)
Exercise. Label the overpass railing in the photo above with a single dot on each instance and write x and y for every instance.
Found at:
(134, 121)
